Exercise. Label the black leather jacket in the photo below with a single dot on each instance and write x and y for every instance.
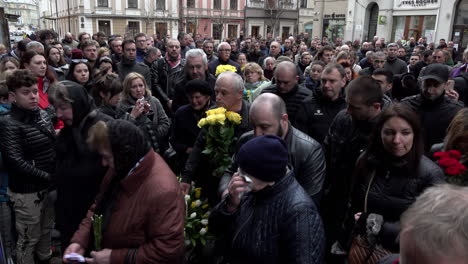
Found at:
(27, 146)
(278, 224)
(163, 79)
(305, 156)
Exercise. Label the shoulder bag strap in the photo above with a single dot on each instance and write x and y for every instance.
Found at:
(367, 192)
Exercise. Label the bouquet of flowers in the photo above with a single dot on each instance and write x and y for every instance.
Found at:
(196, 220)
(453, 168)
(222, 68)
(220, 137)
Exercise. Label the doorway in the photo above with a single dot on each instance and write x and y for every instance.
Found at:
(373, 18)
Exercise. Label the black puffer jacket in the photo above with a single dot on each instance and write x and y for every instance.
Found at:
(394, 188)
(305, 156)
(435, 116)
(27, 146)
(279, 224)
(317, 113)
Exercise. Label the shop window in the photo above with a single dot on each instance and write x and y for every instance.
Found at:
(461, 17)
(217, 31)
(133, 28)
(104, 26)
(103, 3)
(303, 3)
(233, 4)
(217, 4)
(191, 3)
(232, 31)
(255, 31)
(161, 30)
(132, 3)
(191, 27)
(161, 4)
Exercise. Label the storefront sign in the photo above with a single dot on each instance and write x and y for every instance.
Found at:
(335, 16)
(409, 4)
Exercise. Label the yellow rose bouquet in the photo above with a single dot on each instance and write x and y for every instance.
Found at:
(220, 138)
(222, 68)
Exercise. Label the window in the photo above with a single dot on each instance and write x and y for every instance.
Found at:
(217, 31)
(233, 5)
(191, 27)
(303, 3)
(132, 3)
(271, 4)
(104, 26)
(161, 30)
(232, 31)
(103, 3)
(191, 3)
(133, 28)
(217, 4)
(160, 4)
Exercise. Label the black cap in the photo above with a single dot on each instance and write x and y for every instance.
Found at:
(437, 71)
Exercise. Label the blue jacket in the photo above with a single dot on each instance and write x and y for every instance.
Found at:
(3, 174)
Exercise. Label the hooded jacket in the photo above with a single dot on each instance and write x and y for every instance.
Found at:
(79, 169)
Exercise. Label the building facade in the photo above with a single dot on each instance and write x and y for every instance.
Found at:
(277, 17)
(124, 17)
(402, 19)
(219, 19)
(28, 12)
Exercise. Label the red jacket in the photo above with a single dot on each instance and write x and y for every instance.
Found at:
(148, 216)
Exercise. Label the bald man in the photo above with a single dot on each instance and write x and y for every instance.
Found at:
(288, 89)
(268, 117)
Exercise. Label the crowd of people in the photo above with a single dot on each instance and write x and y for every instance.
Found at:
(333, 137)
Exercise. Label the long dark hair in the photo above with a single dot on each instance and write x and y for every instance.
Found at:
(49, 61)
(71, 76)
(376, 148)
(107, 84)
(27, 57)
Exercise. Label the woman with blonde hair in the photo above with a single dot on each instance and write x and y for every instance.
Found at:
(254, 79)
(145, 110)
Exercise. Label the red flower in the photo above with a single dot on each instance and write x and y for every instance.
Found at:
(454, 154)
(440, 154)
(448, 162)
(455, 170)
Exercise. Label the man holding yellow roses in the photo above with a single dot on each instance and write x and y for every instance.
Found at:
(229, 89)
(223, 63)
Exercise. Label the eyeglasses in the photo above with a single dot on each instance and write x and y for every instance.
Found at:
(221, 50)
(379, 61)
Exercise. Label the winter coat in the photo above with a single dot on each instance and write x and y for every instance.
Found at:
(147, 221)
(27, 146)
(396, 66)
(79, 170)
(393, 189)
(278, 224)
(124, 67)
(185, 129)
(198, 167)
(435, 116)
(164, 78)
(305, 156)
(155, 124)
(180, 97)
(293, 99)
(316, 114)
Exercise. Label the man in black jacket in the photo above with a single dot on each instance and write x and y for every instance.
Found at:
(229, 90)
(347, 138)
(268, 117)
(165, 72)
(267, 217)
(224, 52)
(434, 108)
(316, 113)
(196, 68)
(288, 89)
(128, 63)
(27, 146)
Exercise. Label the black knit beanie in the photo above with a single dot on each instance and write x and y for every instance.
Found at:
(264, 157)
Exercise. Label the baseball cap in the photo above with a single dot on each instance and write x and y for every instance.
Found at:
(437, 71)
